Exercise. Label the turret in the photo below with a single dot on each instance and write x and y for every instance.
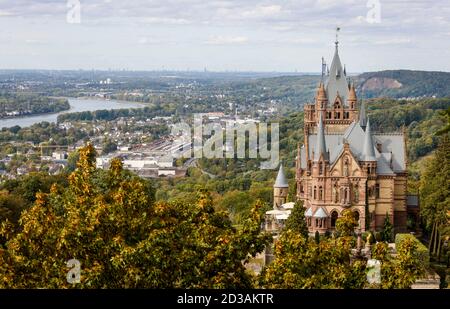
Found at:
(368, 148)
(320, 149)
(280, 189)
(321, 99)
(352, 97)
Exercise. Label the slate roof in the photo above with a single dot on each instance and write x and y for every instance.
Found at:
(336, 81)
(281, 182)
(320, 213)
(392, 147)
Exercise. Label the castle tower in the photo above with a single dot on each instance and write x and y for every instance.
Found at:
(280, 189)
(343, 164)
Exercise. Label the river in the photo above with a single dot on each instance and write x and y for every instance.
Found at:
(76, 105)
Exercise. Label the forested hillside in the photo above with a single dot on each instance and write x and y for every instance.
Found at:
(404, 84)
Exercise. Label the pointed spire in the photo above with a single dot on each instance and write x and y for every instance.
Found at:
(281, 182)
(321, 94)
(362, 115)
(321, 148)
(337, 79)
(368, 149)
(352, 93)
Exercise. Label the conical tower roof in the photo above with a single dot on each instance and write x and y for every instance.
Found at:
(352, 93)
(281, 182)
(321, 148)
(321, 94)
(337, 79)
(368, 148)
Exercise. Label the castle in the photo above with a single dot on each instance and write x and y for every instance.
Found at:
(343, 164)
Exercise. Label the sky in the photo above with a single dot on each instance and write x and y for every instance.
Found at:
(224, 35)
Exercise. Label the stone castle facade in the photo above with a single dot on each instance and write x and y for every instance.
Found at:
(343, 164)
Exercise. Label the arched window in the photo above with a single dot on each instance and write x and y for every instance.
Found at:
(315, 192)
(320, 193)
(334, 217)
(356, 216)
(320, 168)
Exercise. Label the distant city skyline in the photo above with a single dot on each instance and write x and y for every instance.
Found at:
(224, 35)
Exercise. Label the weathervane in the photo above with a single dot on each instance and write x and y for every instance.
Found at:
(337, 36)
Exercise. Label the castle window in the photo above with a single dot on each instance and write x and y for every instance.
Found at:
(301, 188)
(315, 192)
(356, 216)
(320, 168)
(310, 191)
(334, 217)
(377, 190)
(337, 115)
(320, 193)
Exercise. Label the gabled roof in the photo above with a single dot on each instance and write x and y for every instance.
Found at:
(355, 135)
(309, 212)
(337, 80)
(320, 213)
(281, 182)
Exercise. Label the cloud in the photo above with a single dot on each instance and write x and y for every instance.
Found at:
(393, 41)
(165, 21)
(262, 11)
(226, 40)
(5, 13)
(35, 42)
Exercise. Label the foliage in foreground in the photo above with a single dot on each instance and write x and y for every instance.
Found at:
(123, 239)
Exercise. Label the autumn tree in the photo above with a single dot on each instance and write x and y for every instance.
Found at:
(401, 271)
(435, 194)
(346, 224)
(386, 234)
(303, 263)
(296, 220)
(110, 223)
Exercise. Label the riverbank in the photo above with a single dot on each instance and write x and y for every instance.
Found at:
(76, 105)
